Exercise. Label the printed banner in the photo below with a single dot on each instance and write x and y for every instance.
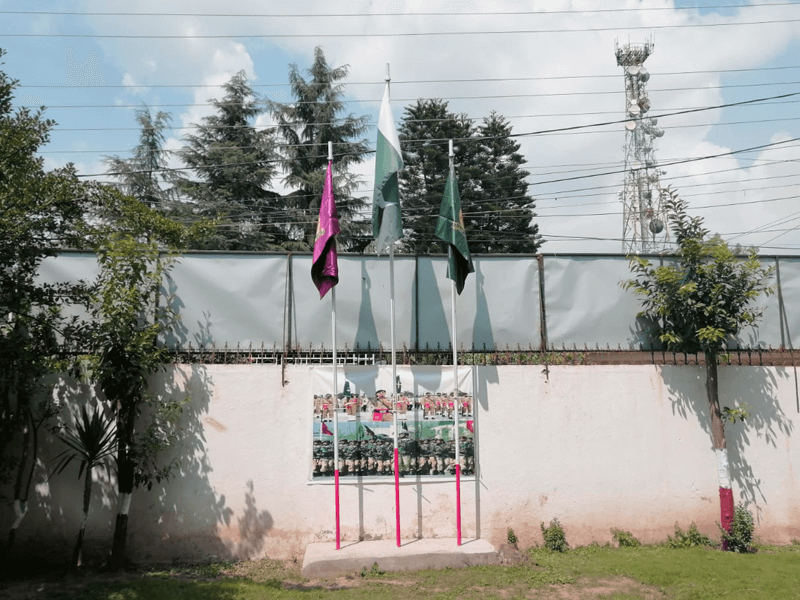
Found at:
(425, 412)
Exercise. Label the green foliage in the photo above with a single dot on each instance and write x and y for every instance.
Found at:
(141, 175)
(624, 539)
(555, 539)
(90, 442)
(39, 212)
(374, 571)
(706, 296)
(233, 164)
(491, 181)
(739, 413)
(692, 538)
(511, 537)
(314, 117)
(740, 538)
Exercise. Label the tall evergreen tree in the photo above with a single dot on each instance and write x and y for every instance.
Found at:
(425, 131)
(305, 126)
(494, 194)
(500, 215)
(140, 175)
(233, 164)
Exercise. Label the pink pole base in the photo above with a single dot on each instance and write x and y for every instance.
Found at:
(397, 493)
(458, 505)
(336, 494)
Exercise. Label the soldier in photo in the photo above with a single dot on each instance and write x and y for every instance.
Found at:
(466, 404)
(427, 406)
(316, 458)
(326, 464)
(407, 448)
(450, 459)
(468, 455)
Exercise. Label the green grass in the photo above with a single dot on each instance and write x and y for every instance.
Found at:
(589, 572)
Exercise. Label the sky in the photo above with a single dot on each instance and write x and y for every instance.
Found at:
(545, 65)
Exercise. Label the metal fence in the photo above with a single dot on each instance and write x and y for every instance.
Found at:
(510, 302)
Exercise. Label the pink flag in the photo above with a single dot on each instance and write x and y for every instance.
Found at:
(471, 426)
(325, 266)
(325, 430)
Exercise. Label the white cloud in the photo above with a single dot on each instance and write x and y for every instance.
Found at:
(523, 55)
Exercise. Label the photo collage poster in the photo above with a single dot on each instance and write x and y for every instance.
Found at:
(425, 412)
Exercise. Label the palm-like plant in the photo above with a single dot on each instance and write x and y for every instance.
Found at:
(92, 443)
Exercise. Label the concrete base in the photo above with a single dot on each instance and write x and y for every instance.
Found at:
(323, 560)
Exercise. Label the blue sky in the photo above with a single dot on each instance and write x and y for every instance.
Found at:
(552, 65)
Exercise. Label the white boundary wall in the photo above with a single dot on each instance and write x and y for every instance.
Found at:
(595, 446)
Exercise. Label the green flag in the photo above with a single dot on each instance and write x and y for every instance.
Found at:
(450, 229)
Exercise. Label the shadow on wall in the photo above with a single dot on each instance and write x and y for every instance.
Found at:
(756, 387)
(184, 518)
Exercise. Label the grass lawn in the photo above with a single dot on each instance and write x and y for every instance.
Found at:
(648, 572)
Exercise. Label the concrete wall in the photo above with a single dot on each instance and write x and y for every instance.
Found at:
(595, 446)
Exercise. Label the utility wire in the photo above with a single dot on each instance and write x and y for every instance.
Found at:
(391, 34)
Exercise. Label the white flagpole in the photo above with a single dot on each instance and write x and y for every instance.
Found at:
(335, 397)
(394, 374)
(456, 399)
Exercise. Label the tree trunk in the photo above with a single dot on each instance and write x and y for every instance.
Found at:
(22, 483)
(77, 555)
(718, 444)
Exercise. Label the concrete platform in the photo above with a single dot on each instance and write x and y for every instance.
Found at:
(324, 560)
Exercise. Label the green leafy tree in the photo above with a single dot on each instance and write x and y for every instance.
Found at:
(233, 164)
(141, 175)
(91, 443)
(696, 305)
(129, 320)
(39, 212)
(305, 126)
(498, 212)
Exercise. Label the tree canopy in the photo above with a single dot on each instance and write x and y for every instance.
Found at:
(498, 211)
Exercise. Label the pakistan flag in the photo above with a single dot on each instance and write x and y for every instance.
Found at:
(450, 229)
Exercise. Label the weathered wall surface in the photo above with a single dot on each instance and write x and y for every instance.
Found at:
(594, 446)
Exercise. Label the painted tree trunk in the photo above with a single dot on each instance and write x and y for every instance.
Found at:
(718, 444)
(77, 555)
(125, 477)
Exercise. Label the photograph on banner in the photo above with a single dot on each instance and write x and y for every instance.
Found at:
(425, 412)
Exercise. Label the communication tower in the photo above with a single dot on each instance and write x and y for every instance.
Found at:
(644, 217)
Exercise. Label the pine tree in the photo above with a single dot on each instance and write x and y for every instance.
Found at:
(501, 212)
(233, 165)
(425, 131)
(140, 176)
(305, 127)
(498, 211)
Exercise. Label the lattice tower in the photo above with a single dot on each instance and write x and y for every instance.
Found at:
(644, 218)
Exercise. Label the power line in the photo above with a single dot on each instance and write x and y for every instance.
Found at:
(390, 33)
(423, 81)
(483, 97)
(388, 14)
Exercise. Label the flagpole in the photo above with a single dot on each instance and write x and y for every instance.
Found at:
(335, 399)
(394, 374)
(456, 399)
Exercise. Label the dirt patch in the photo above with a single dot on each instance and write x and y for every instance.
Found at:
(591, 589)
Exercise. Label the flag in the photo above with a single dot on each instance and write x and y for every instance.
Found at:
(325, 430)
(386, 224)
(471, 425)
(325, 265)
(450, 229)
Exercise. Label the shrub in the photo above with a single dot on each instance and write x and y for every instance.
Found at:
(688, 539)
(554, 538)
(512, 537)
(740, 537)
(624, 539)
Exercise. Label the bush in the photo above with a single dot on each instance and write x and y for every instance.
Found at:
(740, 537)
(624, 539)
(688, 539)
(554, 538)
(512, 537)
